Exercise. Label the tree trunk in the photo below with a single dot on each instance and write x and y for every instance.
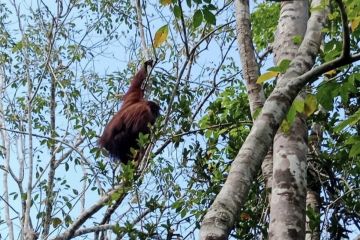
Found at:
(287, 206)
(221, 216)
(313, 186)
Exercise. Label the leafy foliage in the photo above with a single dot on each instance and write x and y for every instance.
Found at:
(205, 114)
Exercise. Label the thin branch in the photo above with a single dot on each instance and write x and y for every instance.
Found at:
(151, 38)
(263, 55)
(214, 85)
(311, 76)
(53, 139)
(184, 29)
(9, 205)
(6, 152)
(223, 125)
(27, 228)
(141, 29)
(52, 167)
(105, 227)
(69, 233)
(179, 133)
(188, 59)
(345, 27)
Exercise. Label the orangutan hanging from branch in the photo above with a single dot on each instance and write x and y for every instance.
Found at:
(133, 118)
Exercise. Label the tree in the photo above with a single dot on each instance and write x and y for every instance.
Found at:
(65, 66)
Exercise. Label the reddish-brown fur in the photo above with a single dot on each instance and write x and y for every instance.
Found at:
(134, 117)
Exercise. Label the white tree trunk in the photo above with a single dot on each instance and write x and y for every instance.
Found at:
(221, 216)
(287, 206)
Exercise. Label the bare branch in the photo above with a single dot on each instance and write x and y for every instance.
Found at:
(141, 29)
(184, 29)
(85, 215)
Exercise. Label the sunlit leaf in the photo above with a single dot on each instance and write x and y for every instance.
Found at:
(310, 104)
(285, 126)
(165, 2)
(355, 23)
(161, 35)
(355, 148)
(290, 117)
(266, 76)
(331, 73)
(299, 105)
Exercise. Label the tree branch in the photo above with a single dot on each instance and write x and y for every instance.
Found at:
(69, 233)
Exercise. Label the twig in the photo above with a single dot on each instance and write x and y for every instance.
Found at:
(184, 29)
(192, 52)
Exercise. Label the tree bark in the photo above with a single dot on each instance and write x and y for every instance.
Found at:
(221, 216)
(4, 136)
(313, 201)
(287, 205)
(250, 68)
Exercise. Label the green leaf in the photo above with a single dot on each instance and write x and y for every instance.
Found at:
(18, 46)
(257, 112)
(197, 18)
(299, 105)
(310, 105)
(282, 67)
(56, 222)
(352, 120)
(355, 150)
(290, 117)
(355, 23)
(177, 11)
(66, 166)
(209, 17)
(285, 126)
(188, 2)
(161, 35)
(297, 39)
(211, 7)
(266, 76)
(325, 95)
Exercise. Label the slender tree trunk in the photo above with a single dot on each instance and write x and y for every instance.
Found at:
(6, 150)
(313, 201)
(250, 69)
(50, 183)
(287, 206)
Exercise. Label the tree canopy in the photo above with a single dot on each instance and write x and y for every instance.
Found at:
(258, 136)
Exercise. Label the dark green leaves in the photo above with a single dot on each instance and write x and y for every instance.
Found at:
(209, 17)
(197, 18)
